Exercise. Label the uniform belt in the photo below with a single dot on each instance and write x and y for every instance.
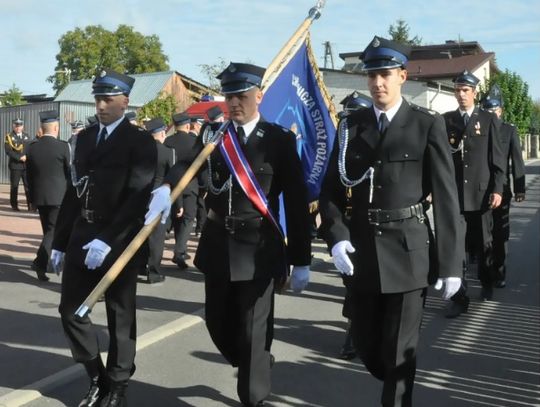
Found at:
(234, 223)
(92, 216)
(377, 216)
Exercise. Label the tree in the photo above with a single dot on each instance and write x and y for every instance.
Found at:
(12, 97)
(535, 118)
(211, 71)
(83, 51)
(400, 33)
(518, 105)
(163, 107)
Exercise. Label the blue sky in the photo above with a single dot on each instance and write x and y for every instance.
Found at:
(201, 32)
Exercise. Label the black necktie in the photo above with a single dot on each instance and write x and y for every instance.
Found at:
(383, 123)
(466, 118)
(241, 134)
(102, 136)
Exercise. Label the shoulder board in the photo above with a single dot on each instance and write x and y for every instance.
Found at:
(424, 110)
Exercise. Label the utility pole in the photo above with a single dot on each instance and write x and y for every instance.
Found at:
(328, 56)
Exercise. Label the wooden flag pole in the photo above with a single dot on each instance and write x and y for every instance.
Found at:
(145, 231)
(282, 56)
(140, 238)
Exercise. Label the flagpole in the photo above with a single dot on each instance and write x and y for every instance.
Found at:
(281, 58)
(86, 307)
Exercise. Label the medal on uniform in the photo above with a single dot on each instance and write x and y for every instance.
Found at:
(477, 128)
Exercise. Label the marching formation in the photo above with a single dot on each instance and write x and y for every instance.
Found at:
(410, 198)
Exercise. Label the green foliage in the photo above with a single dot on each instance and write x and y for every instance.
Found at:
(85, 50)
(518, 105)
(535, 118)
(163, 106)
(400, 33)
(12, 97)
(213, 70)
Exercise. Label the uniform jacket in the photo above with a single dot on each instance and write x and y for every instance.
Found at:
(14, 147)
(187, 147)
(47, 170)
(165, 161)
(479, 165)
(121, 173)
(513, 159)
(258, 252)
(411, 161)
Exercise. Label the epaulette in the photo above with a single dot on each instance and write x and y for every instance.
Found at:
(424, 110)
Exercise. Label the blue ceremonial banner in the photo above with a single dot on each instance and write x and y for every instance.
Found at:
(295, 101)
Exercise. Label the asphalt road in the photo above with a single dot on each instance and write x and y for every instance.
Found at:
(488, 357)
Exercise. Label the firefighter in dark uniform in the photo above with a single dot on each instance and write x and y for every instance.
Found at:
(514, 166)
(476, 150)
(241, 252)
(197, 124)
(352, 102)
(14, 143)
(187, 146)
(132, 117)
(112, 172)
(165, 161)
(47, 172)
(76, 127)
(392, 156)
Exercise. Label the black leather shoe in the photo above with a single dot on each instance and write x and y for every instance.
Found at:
(500, 283)
(153, 277)
(457, 308)
(486, 293)
(99, 385)
(181, 263)
(40, 271)
(94, 396)
(116, 396)
(347, 353)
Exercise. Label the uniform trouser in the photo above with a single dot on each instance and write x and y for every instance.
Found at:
(501, 233)
(47, 217)
(201, 212)
(240, 320)
(478, 240)
(385, 330)
(184, 226)
(15, 177)
(156, 244)
(77, 282)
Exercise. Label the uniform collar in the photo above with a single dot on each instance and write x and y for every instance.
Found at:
(111, 127)
(390, 113)
(468, 111)
(249, 126)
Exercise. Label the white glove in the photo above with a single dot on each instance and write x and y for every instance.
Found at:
(451, 286)
(299, 278)
(97, 251)
(160, 203)
(57, 261)
(341, 259)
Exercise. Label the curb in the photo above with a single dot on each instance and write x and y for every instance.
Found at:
(35, 390)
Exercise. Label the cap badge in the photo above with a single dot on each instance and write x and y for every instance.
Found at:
(232, 68)
(376, 42)
(102, 74)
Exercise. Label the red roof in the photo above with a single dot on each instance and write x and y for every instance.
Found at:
(451, 67)
(200, 108)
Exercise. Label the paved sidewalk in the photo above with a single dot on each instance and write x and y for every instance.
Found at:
(488, 357)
